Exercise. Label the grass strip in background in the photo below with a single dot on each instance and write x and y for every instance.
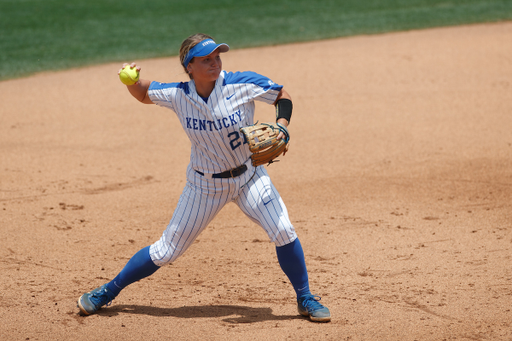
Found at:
(40, 35)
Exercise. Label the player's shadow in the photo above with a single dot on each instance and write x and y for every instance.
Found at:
(232, 313)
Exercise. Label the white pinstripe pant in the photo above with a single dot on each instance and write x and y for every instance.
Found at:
(203, 198)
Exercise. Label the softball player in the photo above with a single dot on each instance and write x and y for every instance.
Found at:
(212, 107)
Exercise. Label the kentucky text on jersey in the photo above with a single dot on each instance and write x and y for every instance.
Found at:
(226, 122)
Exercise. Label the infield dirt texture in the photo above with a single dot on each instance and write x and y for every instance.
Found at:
(398, 181)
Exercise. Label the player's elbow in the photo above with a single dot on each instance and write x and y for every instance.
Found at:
(145, 99)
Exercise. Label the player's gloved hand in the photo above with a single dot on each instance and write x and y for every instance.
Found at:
(264, 143)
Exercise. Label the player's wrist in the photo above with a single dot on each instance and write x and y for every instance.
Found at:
(284, 108)
(283, 121)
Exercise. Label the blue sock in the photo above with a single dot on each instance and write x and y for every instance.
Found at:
(291, 259)
(138, 267)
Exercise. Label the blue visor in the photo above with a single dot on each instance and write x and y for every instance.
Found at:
(203, 49)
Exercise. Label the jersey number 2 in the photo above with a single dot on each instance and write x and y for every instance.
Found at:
(235, 139)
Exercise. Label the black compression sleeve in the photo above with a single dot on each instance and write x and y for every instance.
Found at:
(284, 109)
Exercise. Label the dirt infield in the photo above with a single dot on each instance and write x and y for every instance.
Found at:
(398, 181)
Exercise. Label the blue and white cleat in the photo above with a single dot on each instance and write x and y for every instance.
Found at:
(309, 306)
(91, 302)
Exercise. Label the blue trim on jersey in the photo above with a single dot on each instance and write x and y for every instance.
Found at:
(244, 77)
(160, 86)
(251, 78)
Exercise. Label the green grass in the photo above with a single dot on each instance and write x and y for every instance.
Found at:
(39, 35)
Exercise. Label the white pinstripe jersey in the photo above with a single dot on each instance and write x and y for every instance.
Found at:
(213, 126)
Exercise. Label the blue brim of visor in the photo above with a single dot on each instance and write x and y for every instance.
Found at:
(203, 49)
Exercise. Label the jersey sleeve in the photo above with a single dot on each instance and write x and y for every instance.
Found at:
(165, 94)
(263, 88)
